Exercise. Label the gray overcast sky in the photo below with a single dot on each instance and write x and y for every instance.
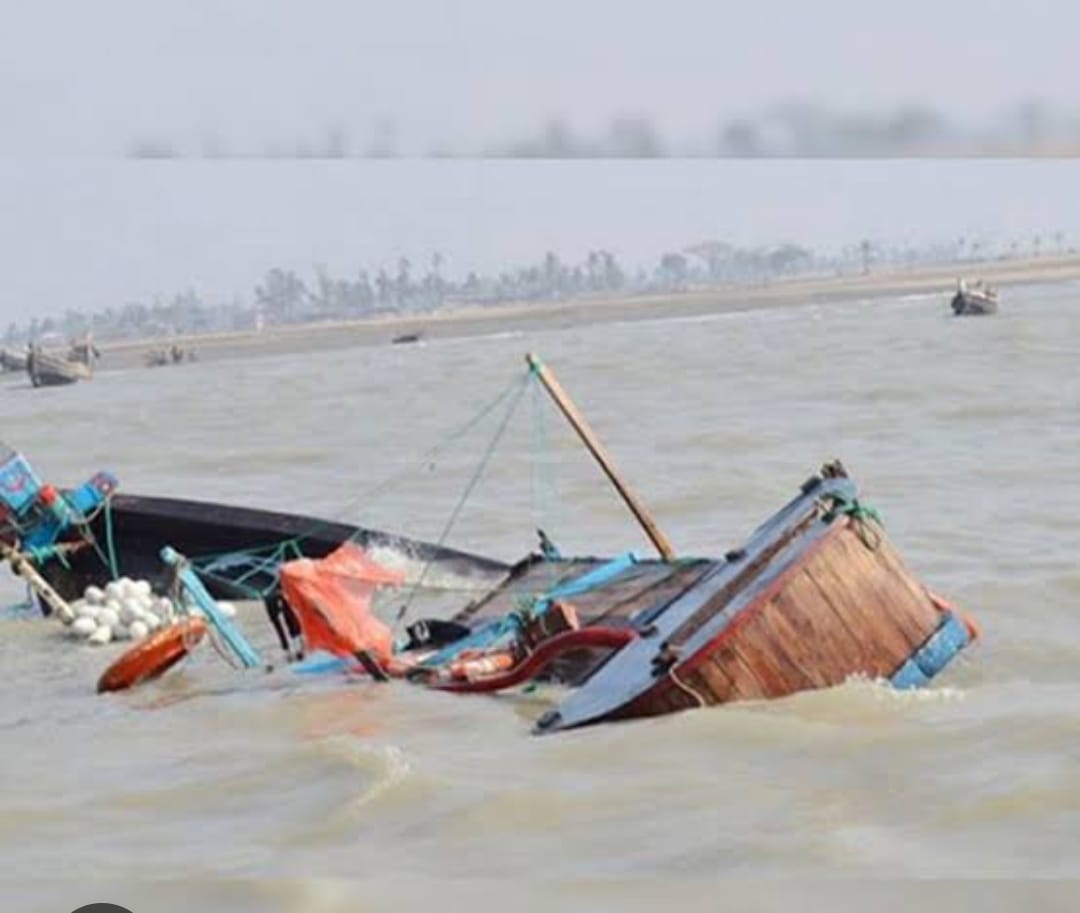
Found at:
(85, 79)
(89, 78)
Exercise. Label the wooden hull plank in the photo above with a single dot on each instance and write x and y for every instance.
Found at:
(634, 669)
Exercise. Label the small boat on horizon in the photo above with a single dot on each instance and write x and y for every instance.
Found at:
(12, 362)
(173, 355)
(51, 369)
(48, 369)
(974, 300)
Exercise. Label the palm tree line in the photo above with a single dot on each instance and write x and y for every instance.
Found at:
(284, 297)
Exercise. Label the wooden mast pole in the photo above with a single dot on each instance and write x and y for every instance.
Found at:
(23, 566)
(581, 426)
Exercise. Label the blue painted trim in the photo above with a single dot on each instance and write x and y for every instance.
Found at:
(482, 638)
(909, 676)
(229, 632)
(322, 665)
(590, 580)
(948, 640)
(494, 630)
(939, 649)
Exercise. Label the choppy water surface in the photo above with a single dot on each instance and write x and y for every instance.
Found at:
(963, 433)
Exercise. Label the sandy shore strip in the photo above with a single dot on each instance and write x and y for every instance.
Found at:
(479, 320)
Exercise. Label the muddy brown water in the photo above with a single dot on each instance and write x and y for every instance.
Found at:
(268, 791)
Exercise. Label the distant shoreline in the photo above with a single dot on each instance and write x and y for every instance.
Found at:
(473, 319)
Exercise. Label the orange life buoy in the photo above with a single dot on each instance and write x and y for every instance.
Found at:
(153, 656)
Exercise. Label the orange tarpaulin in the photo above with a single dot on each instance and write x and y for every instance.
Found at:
(331, 598)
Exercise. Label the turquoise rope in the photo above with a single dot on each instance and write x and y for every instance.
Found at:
(466, 494)
(110, 545)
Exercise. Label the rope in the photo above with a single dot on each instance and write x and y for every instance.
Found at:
(685, 687)
(466, 494)
(861, 515)
(114, 567)
(205, 562)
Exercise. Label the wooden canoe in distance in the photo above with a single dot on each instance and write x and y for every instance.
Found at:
(816, 596)
(12, 361)
(975, 301)
(47, 369)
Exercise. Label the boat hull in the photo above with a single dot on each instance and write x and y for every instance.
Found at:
(11, 362)
(48, 370)
(139, 526)
(973, 304)
(817, 596)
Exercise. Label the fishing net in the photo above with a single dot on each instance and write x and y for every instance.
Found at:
(331, 598)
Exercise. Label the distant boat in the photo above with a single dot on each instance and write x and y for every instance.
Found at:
(973, 300)
(406, 338)
(172, 356)
(48, 369)
(12, 361)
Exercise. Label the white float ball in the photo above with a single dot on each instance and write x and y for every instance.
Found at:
(138, 630)
(101, 636)
(152, 621)
(140, 589)
(107, 618)
(121, 631)
(84, 610)
(94, 595)
(114, 590)
(83, 627)
(163, 607)
(130, 610)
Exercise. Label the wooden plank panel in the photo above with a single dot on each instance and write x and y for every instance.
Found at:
(822, 637)
(747, 684)
(769, 658)
(623, 600)
(844, 583)
(818, 643)
(711, 681)
(883, 583)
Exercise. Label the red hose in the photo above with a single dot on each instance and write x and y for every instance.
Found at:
(547, 651)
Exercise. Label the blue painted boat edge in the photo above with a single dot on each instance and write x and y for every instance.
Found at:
(229, 632)
(936, 652)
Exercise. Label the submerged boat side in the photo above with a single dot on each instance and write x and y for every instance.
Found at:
(230, 544)
(817, 595)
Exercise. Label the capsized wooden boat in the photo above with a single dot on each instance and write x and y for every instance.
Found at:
(816, 596)
(237, 542)
(93, 533)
